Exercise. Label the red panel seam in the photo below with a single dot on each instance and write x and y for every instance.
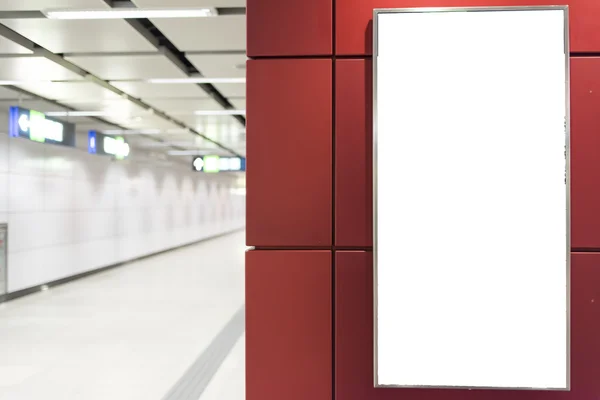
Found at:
(312, 248)
(585, 250)
(293, 248)
(315, 57)
(368, 248)
(333, 192)
(584, 54)
(299, 57)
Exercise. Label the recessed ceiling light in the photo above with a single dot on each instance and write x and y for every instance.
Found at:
(196, 80)
(129, 13)
(76, 113)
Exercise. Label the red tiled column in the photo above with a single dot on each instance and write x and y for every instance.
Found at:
(585, 157)
(289, 324)
(309, 279)
(289, 281)
(289, 153)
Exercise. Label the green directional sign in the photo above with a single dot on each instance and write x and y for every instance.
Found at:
(213, 164)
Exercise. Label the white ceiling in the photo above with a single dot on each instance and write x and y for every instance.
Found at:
(128, 66)
(39, 105)
(240, 104)
(6, 94)
(73, 36)
(27, 68)
(113, 51)
(41, 4)
(220, 65)
(69, 90)
(232, 89)
(145, 90)
(8, 47)
(189, 34)
(182, 105)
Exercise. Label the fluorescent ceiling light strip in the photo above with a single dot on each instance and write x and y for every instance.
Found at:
(196, 80)
(17, 83)
(212, 151)
(173, 112)
(221, 112)
(178, 130)
(168, 144)
(184, 153)
(76, 113)
(133, 132)
(129, 13)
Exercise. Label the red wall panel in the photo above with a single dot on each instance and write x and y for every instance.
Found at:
(354, 20)
(354, 337)
(289, 150)
(289, 203)
(585, 145)
(353, 154)
(288, 325)
(290, 28)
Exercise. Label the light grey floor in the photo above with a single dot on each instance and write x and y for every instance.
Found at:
(229, 383)
(130, 333)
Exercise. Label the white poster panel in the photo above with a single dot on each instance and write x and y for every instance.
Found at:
(471, 177)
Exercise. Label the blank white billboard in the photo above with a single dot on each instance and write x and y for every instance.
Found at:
(471, 191)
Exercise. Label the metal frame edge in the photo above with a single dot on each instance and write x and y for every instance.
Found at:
(565, 9)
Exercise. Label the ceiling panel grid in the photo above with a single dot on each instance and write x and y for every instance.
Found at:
(239, 103)
(69, 90)
(10, 95)
(9, 47)
(80, 36)
(113, 67)
(20, 5)
(205, 34)
(219, 65)
(184, 105)
(27, 68)
(145, 90)
(114, 51)
(232, 89)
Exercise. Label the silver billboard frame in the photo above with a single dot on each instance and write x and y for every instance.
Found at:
(565, 10)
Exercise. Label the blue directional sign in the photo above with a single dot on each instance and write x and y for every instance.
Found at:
(36, 126)
(215, 164)
(99, 143)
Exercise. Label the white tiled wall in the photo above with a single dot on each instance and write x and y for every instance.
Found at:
(70, 212)
(3, 178)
